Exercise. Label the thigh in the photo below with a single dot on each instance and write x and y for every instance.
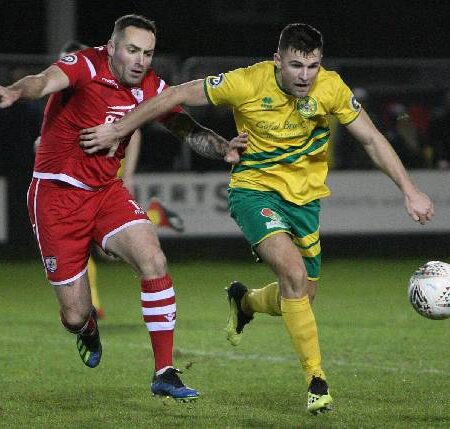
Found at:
(304, 221)
(138, 245)
(280, 253)
(261, 215)
(62, 226)
(123, 229)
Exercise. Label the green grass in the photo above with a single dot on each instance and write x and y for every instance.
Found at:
(386, 365)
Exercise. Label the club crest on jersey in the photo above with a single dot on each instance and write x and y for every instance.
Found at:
(70, 59)
(215, 81)
(355, 105)
(275, 222)
(138, 94)
(307, 106)
(51, 264)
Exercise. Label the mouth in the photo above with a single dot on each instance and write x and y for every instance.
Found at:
(136, 73)
(301, 85)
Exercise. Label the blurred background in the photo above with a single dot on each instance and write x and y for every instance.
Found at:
(394, 55)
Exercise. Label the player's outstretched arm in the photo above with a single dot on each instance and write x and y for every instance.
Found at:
(34, 86)
(418, 205)
(107, 136)
(204, 141)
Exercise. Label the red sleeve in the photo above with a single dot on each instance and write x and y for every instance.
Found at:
(78, 68)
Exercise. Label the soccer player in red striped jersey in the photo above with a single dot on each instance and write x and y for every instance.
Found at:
(76, 198)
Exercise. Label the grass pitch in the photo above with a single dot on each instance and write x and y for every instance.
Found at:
(386, 365)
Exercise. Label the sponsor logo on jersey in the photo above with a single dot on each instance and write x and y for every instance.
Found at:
(215, 81)
(138, 94)
(116, 112)
(50, 263)
(111, 82)
(275, 222)
(70, 59)
(307, 106)
(355, 105)
(266, 103)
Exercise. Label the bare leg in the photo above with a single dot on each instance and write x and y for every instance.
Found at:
(75, 300)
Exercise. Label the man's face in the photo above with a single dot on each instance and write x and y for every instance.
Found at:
(297, 71)
(130, 55)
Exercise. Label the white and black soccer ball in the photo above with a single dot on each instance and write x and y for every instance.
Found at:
(429, 290)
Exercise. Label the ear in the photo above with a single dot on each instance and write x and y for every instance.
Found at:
(110, 48)
(277, 60)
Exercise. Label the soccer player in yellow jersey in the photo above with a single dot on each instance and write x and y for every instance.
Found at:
(281, 107)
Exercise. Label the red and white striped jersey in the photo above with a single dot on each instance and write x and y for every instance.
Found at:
(93, 97)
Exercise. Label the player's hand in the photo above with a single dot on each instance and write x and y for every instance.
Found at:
(8, 97)
(101, 137)
(236, 146)
(419, 206)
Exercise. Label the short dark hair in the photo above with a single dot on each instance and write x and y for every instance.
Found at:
(134, 20)
(300, 37)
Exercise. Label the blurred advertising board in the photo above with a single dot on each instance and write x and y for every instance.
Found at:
(362, 202)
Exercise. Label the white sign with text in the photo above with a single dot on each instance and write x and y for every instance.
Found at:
(361, 202)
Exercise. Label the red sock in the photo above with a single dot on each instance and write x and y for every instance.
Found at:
(159, 310)
(88, 327)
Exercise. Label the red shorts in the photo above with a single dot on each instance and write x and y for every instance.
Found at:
(66, 220)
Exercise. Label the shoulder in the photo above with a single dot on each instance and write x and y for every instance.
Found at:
(152, 83)
(252, 76)
(329, 87)
(257, 69)
(93, 58)
(329, 78)
(97, 56)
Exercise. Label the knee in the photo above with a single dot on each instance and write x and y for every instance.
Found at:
(294, 281)
(73, 315)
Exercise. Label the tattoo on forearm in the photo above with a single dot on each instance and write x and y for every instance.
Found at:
(207, 144)
(202, 140)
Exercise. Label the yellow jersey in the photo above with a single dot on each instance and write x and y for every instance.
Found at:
(288, 137)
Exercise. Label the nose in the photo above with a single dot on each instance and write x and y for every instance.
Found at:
(140, 58)
(303, 74)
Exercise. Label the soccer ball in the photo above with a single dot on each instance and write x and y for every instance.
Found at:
(429, 290)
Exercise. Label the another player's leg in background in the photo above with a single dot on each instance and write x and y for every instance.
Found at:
(79, 317)
(92, 273)
(139, 246)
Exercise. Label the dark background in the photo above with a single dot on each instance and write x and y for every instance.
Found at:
(248, 27)
(244, 28)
